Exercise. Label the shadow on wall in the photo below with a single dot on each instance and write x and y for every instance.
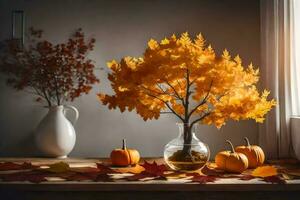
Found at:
(24, 146)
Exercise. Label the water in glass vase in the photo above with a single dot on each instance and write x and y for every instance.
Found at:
(186, 152)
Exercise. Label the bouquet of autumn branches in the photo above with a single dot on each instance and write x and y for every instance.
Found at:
(186, 78)
(53, 72)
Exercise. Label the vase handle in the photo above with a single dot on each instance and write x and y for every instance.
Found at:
(75, 111)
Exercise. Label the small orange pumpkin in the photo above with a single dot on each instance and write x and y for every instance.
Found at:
(124, 157)
(231, 161)
(254, 153)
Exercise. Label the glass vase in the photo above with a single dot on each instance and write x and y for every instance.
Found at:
(186, 152)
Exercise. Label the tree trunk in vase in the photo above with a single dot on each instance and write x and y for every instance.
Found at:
(186, 152)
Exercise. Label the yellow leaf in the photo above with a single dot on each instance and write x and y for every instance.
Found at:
(165, 41)
(58, 167)
(264, 171)
(152, 44)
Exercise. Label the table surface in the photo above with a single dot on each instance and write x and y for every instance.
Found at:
(228, 184)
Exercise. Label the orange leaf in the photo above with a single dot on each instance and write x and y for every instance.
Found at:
(134, 170)
(264, 171)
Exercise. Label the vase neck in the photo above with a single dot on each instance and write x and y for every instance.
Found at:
(59, 108)
(184, 128)
(187, 132)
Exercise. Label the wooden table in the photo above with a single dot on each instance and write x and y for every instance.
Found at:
(221, 189)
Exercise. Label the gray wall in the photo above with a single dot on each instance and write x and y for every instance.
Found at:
(123, 28)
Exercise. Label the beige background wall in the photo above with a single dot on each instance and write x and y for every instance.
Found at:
(122, 28)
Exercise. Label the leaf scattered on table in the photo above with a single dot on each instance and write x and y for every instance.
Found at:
(152, 170)
(202, 179)
(133, 170)
(85, 169)
(58, 167)
(274, 179)
(211, 171)
(246, 177)
(264, 171)
(34, 177)
(105, 169)
(7, 166)
(103, 178)
(77, 177)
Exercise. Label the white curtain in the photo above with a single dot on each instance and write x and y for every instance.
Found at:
(278, 74)
(295, 57)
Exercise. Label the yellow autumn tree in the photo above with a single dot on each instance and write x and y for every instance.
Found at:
(186, 78)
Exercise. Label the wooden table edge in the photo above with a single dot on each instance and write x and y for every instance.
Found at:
(147, 187)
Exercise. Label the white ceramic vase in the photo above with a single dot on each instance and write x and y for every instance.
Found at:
(55, 135)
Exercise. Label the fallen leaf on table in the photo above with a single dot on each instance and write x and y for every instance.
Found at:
(203, 179)
(134, 170)
(34, 177)
(152, 170)
(7, 166)
(103, 178)
(246, 177)
(105, 169)
(58, 167)
(84, 169)
(264, 171)
(77, 177)
(274, 179)
(211, 171)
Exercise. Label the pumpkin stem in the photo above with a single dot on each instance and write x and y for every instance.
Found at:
(247, 141)
(232, 148)
(124, 145)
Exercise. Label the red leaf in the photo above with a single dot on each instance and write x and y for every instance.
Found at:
(274, 180)
(85, 169)
(212, 171)
(78, 177)
(203, 179)
(246, 177)
(105, 169)
(154, 168)
(34, 177)
(103, 178)
(6, 166)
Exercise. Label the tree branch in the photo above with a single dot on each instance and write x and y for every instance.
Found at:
(175, 92)
(165, 112)
(166, 103)
(199, 119)
(203, 101)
